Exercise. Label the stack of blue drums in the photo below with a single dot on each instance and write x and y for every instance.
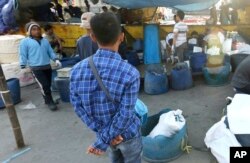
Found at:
(155, 81)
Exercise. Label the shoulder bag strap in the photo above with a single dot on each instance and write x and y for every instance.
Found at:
(97, 76)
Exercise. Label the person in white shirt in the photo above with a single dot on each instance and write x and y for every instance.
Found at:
(180, 36)
(169, 42)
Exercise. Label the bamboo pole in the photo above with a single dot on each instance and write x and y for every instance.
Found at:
(5, 93)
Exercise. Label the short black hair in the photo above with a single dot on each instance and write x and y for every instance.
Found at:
(106, 28)
(170, 41)
(194, 33)
(181, 14)
(47, 27)
(104, 8)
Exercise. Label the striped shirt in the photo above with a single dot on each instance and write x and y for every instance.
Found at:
(106, 118)
(181, 28)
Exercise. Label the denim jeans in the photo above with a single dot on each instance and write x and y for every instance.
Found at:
(127, 152)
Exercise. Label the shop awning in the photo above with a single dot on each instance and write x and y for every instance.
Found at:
(185, 5)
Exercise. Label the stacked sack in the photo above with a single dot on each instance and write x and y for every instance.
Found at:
(9, 59)
(9, 45)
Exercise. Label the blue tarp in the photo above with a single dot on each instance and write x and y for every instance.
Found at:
(185, 5)
(7, 17)
(8, 14)
(3, 27)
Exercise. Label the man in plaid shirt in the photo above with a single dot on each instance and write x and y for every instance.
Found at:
(114, 121)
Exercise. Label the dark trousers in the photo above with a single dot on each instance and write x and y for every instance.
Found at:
(43, 78)
(179, 51)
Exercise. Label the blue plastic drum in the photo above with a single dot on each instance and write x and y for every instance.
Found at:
(138, 45)
(181, 79)
(14, 87)
(132, 58)
(62, 84)
(197, 62)
(217, 76)
(152, 52)
(155, 81)
(161, 148)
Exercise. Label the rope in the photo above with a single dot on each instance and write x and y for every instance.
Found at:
(184, 146)
(16, 155)
(3, 92)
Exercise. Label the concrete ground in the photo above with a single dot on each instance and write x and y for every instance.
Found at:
(61, 137)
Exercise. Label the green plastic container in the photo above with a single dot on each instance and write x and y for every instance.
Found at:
(218, 76)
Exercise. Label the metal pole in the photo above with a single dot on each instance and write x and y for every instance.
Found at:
(5, 93)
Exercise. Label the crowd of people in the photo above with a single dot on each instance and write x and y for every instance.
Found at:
(113, 118)
(227, 15)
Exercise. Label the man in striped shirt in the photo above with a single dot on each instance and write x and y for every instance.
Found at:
(180, 36)
(114, 120)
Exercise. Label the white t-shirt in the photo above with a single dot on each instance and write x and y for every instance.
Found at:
(181, 28)
(168, 37)
(219, 34)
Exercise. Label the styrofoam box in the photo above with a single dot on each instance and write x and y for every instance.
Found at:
(64, 72)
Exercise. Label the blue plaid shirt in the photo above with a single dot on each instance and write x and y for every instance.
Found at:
(106, 118)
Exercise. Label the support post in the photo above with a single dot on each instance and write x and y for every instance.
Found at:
(5, 93)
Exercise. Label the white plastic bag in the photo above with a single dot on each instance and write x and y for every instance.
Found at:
(169, 123)
(213, 51)
(227, 45)
(13, 71)
(192, 41)
(219, 139)
(238, 114)
(197, 49)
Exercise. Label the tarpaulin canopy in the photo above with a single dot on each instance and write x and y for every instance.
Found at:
(185, 5)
